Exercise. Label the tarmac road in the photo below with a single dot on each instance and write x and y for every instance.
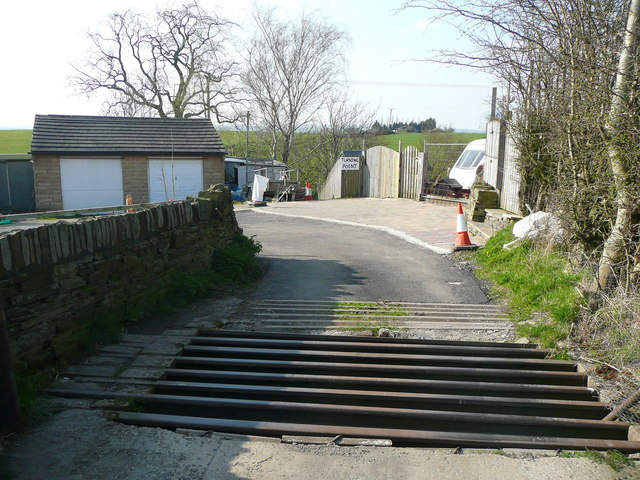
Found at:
(314, 260)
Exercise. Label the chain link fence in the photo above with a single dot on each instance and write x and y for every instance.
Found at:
(624, 399)
(440, 158)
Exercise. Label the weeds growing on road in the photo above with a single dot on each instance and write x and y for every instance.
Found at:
(616, 460)
(30, 387)
(539, 287)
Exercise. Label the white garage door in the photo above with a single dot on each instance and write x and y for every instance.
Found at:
(174, 179)
(91, 182)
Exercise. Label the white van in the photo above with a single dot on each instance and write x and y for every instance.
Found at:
(470, 165)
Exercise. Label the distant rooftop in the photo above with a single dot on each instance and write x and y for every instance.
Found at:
(85, 135)
(254, 160)
(351, 153)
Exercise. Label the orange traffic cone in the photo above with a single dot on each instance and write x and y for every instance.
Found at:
(129, 201)
(307, 191)
(463, 242)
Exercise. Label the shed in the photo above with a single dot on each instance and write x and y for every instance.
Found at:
(92, 161)
(241, 171)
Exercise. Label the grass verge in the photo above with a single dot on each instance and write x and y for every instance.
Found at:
(538, 285)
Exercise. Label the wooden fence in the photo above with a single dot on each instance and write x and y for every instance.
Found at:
(383, 173)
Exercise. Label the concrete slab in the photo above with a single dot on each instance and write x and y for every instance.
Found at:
(152, 361)
(88, 446)
(140, 372)
(123, 349)
(92, 370)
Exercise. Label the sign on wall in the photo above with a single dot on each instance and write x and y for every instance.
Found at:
(350, 163)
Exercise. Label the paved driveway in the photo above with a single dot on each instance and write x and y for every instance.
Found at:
(428, 225)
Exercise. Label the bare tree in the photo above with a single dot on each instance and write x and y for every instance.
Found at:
(343, 125)
(291, 67)
(174, 65)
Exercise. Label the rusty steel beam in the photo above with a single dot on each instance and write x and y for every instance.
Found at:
(398, 436)
(394, 384)
(340, 338)
(405, 371)
(383, 370)
(372, 347)
(478, 403)
(387, 358)
(354, 415)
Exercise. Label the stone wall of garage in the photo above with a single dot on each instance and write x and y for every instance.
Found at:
(58, 280)
(135, 178)
(47, 182)
(213, 170)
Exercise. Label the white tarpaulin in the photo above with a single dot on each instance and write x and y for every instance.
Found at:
(535, 224)
(259, 186)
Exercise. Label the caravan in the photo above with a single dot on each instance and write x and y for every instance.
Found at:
(470, 165)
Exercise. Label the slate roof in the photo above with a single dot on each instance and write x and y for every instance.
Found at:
(84, 135)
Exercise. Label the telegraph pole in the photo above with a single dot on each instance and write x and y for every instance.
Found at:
(494, 100)
(246, 146)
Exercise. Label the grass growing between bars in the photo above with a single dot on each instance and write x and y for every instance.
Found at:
(538, 285)
(359, 311)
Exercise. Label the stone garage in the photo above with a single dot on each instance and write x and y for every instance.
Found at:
(91, 161)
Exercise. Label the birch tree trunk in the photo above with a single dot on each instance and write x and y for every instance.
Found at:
(615, 245)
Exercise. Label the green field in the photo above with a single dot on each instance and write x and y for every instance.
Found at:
(235, 141)
(419, 139)
(15, 141)
(19, 141)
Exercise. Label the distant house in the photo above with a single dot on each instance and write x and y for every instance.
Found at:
(83, 161)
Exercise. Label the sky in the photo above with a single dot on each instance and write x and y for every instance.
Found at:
(46, 38)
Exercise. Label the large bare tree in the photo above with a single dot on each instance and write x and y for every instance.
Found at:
(291, 67)
(176, 64)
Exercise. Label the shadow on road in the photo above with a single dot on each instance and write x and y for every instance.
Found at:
(308, 278)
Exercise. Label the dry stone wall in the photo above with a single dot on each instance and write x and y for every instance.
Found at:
(58, 280)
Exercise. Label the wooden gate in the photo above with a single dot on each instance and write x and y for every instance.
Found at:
(411, 173)
(381, 173)
(342, 183)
